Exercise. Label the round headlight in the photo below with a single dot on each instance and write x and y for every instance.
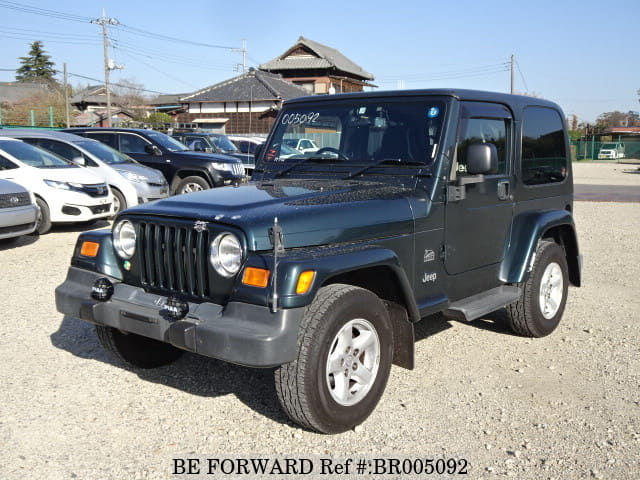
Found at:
(124, 239)
(226, 254)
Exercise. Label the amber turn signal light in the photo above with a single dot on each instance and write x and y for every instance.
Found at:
(255, 277)
(89, 249)
(305, 280)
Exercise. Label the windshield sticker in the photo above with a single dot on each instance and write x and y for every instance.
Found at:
(433, 112)
(297, 119)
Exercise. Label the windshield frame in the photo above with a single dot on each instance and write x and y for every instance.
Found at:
(426, 148)
(59, 162)
(167, 142)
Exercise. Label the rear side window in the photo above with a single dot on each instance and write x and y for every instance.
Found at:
(544, 156)
(107, 138)
(6, 164)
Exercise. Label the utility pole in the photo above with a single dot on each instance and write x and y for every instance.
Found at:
(66, 95)
(104, 21)
(243, 51)
(513, 73)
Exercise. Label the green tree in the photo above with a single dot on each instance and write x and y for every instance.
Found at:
(36, 66)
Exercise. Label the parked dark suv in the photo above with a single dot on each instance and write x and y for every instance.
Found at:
(185, 170)
(419, 202)
(215, 143)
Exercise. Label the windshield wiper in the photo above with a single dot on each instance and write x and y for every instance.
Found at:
(387, 161)
(304, 160)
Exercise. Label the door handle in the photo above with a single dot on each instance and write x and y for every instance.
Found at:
(504, 190)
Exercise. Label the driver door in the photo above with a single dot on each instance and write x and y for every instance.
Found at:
(478, 222)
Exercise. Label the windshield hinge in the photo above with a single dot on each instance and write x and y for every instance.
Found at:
(277, 239)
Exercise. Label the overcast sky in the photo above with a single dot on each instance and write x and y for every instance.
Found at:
(583, 55)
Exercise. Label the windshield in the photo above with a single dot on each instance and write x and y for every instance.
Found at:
(223, 143)
(168, 142)
(104, 152)
(34, 156)
(610, 146)
(366, 132)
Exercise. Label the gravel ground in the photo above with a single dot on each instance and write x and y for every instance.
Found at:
(563, 407)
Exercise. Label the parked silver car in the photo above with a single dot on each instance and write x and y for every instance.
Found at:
(18, 210)
(131, 182)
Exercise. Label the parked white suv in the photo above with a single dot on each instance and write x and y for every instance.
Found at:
(131, 183)
(64, 191)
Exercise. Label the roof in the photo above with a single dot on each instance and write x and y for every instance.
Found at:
(16, 91)
(39, 133)
(251, 86)
(92, 94)
(512, 101)
(167, 99)
(307, 54)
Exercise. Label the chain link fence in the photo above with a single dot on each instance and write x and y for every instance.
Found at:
(619, 150)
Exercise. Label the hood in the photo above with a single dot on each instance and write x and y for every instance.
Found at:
(207, 157)
(152, 174)
(71, 174)
(316, 212)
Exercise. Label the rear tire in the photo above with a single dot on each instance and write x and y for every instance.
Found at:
(345, 350)
(544, 295)
(136, 350)
(43, 224)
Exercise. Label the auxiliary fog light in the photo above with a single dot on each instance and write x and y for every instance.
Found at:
(174, 308)
(102, 289)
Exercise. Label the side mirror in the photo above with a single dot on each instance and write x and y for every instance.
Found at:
(153, 150)
(79, 161)
(482, 159)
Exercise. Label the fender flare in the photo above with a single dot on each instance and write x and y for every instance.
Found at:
(528, 229)
(331, 264)
(105, 262)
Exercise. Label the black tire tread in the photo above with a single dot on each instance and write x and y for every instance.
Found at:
(289, 380)
(519, 315)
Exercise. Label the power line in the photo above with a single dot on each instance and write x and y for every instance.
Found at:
(144, 33)
(522, 76)
(43, 12)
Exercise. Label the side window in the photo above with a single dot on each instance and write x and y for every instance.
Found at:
(61, 149)
(483, 130)
(106, 138)
(6, 164)
(132, 143)
(544, 156)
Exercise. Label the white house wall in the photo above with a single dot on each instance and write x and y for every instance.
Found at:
(229, 107)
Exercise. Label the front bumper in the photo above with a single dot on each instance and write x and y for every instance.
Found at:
(148, 192)
(18, 221)
(239, 333)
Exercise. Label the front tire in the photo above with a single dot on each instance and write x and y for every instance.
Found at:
(345, 350)
(119, 202)
(136, 350)
(43, 224)
(544, 295)
(191, 184)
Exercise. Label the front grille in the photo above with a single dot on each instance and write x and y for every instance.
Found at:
(174, 258)
(237, 168)
(8, 200)
(95, 190)
(100, 208)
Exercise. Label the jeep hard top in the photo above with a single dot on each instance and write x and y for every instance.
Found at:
(416, 202)
(186, 171)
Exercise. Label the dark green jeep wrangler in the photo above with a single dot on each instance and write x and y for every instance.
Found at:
(417, 202)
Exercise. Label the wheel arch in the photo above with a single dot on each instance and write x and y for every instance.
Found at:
(528, 229)
(184, 173)
(377, 270)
